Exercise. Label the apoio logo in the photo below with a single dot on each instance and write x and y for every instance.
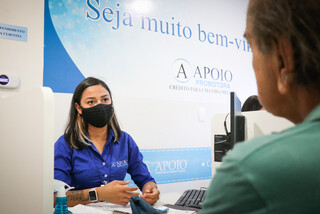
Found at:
(182, 70)
(167, 166)
(203, 75)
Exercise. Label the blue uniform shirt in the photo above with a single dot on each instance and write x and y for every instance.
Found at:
(87, 168)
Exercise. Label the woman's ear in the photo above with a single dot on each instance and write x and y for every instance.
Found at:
(285, 66)
(77, 106)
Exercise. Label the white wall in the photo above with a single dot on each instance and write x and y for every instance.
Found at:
(24, 59)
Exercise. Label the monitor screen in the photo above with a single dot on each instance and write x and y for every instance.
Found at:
(236, 120)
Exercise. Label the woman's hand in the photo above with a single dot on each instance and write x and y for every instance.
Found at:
(116, 192)
(150, 193)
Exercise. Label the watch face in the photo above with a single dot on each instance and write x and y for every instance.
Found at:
(93, 195)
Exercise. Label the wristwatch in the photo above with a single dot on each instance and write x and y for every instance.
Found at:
(93, 196)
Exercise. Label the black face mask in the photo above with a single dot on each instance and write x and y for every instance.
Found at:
(98, 115)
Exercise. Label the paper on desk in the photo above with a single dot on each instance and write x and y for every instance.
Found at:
(84, 209)
(107, 207)
(99, 208)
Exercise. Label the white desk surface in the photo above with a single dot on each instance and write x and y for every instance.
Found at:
(108, 208)
(169, 194)
(169, 198)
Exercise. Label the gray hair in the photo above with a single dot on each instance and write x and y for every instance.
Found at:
(297, 21)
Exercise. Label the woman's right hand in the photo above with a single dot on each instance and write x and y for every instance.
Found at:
(116, 192)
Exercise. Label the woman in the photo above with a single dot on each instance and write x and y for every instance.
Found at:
(94, 155)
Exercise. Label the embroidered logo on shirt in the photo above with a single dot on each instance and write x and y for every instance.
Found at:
(121, 163)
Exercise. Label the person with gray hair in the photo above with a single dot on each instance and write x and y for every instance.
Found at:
(278, 173)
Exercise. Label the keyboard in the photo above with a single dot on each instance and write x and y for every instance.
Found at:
(192, 198)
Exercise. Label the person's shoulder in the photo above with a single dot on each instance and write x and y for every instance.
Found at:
(275, 148)
(127, 139)
(242, 150)
(256, 148)
(61, 140)
(125, 136)
(62, 143)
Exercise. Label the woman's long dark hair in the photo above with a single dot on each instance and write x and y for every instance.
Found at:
(76, 131)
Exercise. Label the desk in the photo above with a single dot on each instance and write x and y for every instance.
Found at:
(108, 208)
(169, 198)
(166, 197)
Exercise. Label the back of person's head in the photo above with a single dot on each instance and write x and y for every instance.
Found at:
(297, 22)
(251, 104)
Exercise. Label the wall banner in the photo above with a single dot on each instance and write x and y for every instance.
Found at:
(178, 165)
(186, 51)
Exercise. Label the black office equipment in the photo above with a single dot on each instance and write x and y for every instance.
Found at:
(221, 146)
(223, 143)
(191, 199)
(237, 120)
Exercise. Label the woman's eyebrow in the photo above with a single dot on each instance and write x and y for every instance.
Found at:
(106, 95)
(90, 98)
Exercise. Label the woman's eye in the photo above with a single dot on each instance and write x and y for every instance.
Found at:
(105, 100)
(91, 102)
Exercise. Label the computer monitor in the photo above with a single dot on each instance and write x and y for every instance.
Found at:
(223, 143)
(237, 121)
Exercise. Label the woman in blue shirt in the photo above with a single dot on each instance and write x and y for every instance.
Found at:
(94, 155)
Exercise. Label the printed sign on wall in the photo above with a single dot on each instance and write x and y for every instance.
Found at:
(188, 51)
(178, 165)
(13, 32)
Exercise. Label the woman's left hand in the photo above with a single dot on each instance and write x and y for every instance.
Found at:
(150, 193)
